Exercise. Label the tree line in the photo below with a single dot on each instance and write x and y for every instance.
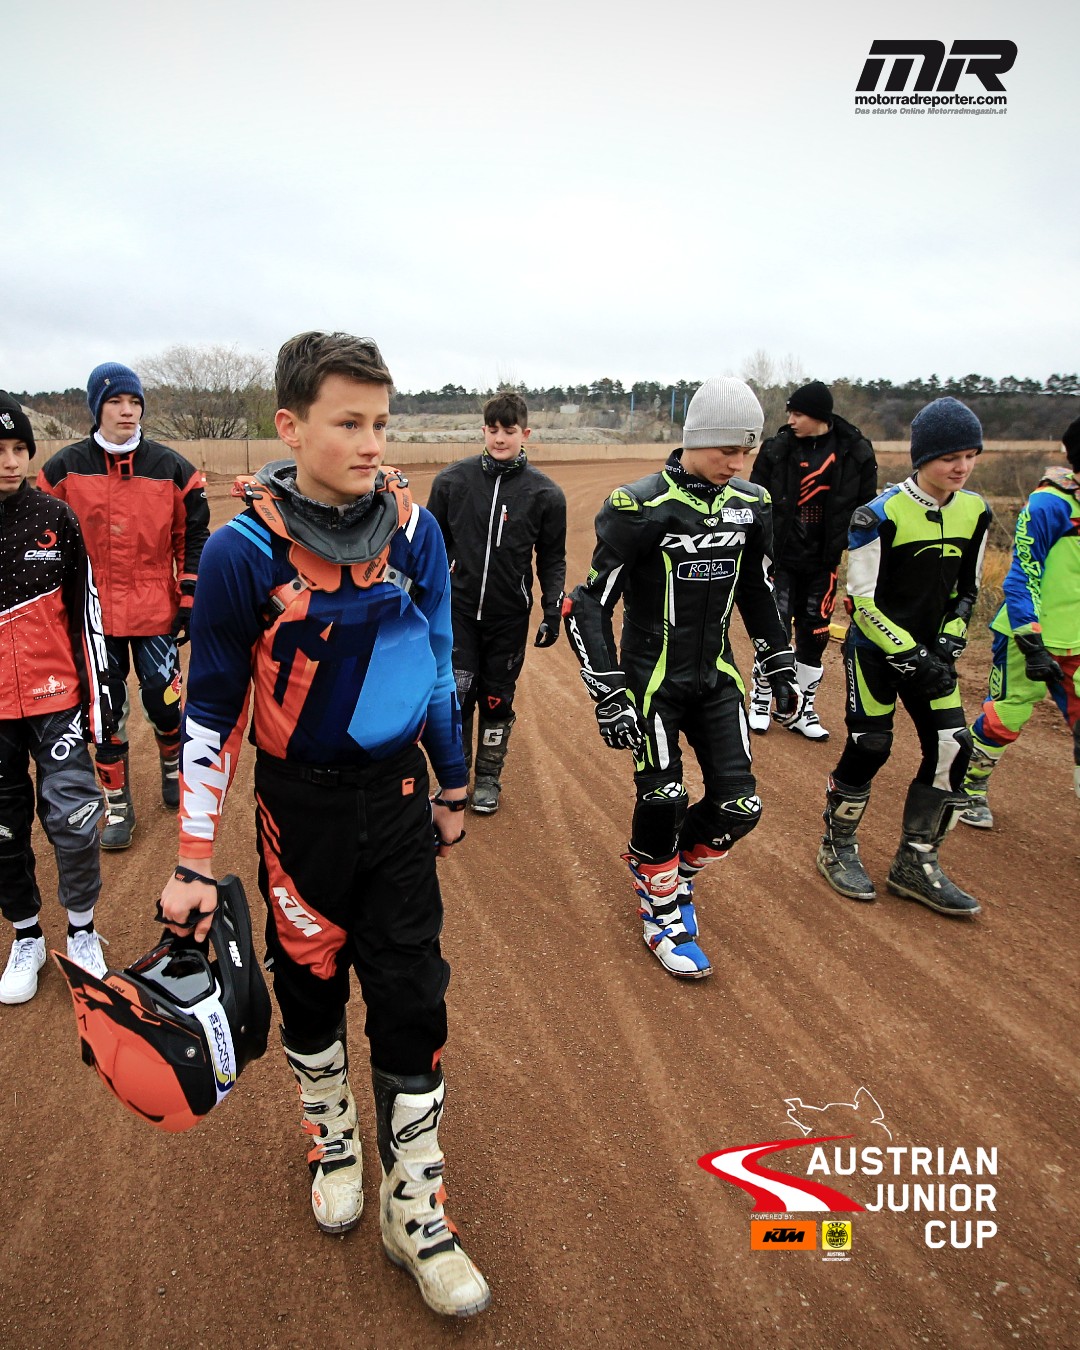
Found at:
(221, 393)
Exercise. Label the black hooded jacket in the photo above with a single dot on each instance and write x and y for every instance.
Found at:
(853, 483)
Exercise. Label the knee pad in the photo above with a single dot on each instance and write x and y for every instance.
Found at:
(877, 744)
(161, 703)
(658, 817)
(717, 825)
(496, 707)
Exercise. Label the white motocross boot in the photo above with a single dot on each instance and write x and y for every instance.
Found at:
(335, 1158)
(809, 724)
(416, 1233)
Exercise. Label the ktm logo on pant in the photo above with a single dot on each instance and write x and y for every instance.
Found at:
(768, 1235)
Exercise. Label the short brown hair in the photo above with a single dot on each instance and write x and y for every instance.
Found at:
(508, 408)
(307, 359)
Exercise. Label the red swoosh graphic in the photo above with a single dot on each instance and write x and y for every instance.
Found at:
(739, 1166)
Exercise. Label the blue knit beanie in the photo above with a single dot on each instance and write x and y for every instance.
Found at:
(944, 427)
(108, 380)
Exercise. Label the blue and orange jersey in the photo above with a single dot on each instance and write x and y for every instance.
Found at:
(340, 677)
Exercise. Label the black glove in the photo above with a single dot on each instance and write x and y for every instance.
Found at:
(548, 632)
(618, 721)
(182, 622)
(948, 648)
(1038, 663)
(924, 673)
(788, 699)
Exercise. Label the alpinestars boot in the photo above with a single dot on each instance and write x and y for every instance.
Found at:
(929, 814)
(664, 930)
(760, 716)
(838, 858)
(809, 724)
(335, 1158)
(119, 808)
(490, 757)
(416, 1233)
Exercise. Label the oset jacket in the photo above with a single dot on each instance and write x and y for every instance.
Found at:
(52, 650)
(853, 482)
(145, 519)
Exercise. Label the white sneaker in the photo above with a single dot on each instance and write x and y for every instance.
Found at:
(19, 982)
(84, 948)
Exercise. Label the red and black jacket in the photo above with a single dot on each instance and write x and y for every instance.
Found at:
(52, 648)
(145, 519)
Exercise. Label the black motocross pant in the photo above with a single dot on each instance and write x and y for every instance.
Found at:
(488, 657)
(714, 725)
(347, 870)
(157, 668)
(806, 597)
(69, 807)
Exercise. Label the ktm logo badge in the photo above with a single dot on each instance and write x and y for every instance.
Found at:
(768, 1235)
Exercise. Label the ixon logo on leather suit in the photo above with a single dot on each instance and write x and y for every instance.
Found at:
(698, 543)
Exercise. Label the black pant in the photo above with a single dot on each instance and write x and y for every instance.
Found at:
(488, 657)
(347, 870)
(714, 724)
(806, 597)
(157, 668)
(69, 807)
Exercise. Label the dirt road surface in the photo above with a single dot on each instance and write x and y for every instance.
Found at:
(584, 1083)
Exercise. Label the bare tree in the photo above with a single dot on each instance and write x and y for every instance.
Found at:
(207, 393)
(773, 380)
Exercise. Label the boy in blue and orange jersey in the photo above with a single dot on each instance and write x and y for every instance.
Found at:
(330, 596)
(1036, 631)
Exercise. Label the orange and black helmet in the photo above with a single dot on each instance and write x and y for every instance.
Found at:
(170, 1034)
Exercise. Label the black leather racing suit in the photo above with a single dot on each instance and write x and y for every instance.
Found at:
(681, 553)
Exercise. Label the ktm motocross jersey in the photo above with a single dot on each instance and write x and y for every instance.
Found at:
(914, 566)
(680, 553)
(52, 648)
(344, 673)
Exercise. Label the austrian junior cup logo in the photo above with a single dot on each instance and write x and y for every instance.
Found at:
(849, 1163)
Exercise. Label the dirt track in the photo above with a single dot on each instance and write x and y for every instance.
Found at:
(584, 1082)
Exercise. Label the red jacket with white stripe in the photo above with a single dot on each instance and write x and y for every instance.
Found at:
(145, 519)
(52, 648)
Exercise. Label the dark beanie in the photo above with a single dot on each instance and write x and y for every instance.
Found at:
(813, 399)
(14, 423)
(944, 427)
(1070, 439)
(108, 380)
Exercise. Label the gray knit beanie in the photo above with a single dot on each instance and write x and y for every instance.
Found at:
(944, 427)
(724, 411)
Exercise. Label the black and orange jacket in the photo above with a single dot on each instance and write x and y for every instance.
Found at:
(145, 519)
(852, 478)
(52, 648)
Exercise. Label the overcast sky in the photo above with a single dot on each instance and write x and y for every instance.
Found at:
(542, 192)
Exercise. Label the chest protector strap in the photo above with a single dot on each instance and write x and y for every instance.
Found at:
(314, 573)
